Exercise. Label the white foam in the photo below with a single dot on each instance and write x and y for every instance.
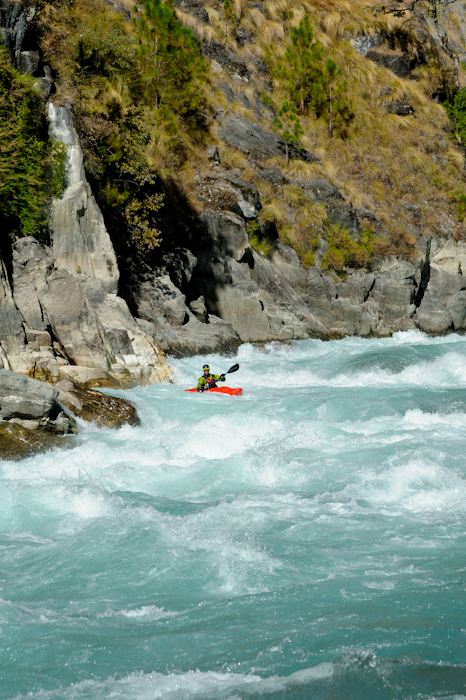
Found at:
(183, 686)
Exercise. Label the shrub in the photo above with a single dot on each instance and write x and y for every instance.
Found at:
(31, 165)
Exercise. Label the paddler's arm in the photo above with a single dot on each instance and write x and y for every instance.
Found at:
(201, 384)
(219, 377)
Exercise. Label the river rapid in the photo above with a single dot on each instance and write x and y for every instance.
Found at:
(303, 540)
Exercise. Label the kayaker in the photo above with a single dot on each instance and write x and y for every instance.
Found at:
(208, 380)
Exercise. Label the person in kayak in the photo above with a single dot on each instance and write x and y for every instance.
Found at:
(208, 380)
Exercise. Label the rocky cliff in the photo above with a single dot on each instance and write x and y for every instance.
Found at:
(84, 308)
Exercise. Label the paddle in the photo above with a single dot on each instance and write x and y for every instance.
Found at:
(235, 368)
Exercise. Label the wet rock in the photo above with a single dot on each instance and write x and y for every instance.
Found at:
(46, 83)
(104, 411)
(80, 241)
(17, 442)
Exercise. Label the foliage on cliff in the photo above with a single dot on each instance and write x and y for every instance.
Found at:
(144, 100)
(136, 89)
(31, 166)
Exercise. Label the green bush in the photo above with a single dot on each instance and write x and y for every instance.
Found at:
(31, 165)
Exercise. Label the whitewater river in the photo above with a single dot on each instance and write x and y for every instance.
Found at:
(304, 540)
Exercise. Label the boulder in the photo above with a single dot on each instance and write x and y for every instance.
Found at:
(105, 411)
(23, 397)
(32, 405)
(400, 108)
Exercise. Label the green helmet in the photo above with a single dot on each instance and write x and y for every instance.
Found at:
(206, 367)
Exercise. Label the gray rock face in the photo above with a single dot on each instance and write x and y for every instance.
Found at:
(232, 63)
(397, 62)
(246, 200)
(74, 322)
(80, 242)
(32, 263)
(193, 7)
(338, 211)
(252, 140)
(12, 336)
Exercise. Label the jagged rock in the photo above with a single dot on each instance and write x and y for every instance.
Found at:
(135, 358)
(338, 211)
(104, 411)
(228, 60)
(193, 7)
(227, 231)
(12, 336)
(252, 140)
(213, 154)
(273, 175)
(80, 242)
(400, 108)
(32, 263)
(14, 20)
(74, 322)
(246, 196)
(400, 64)
(363, 44)
(199, 309)
(243, 37)
(46, 83)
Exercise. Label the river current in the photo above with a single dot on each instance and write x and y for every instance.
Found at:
(304, 540)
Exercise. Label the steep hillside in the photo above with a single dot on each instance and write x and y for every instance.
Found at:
(266, 170)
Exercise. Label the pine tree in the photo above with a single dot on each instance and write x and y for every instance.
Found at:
(289, 125)
(173, 66)
(312, 86)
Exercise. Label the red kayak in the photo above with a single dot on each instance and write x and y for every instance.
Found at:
(221, 390)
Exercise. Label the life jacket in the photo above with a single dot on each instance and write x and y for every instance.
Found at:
(210, 381)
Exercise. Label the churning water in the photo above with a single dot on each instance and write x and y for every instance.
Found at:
(304, 540)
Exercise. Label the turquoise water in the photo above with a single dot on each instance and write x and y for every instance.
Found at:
(304, 540)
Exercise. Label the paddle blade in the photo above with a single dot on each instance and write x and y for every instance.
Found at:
(235, 368)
